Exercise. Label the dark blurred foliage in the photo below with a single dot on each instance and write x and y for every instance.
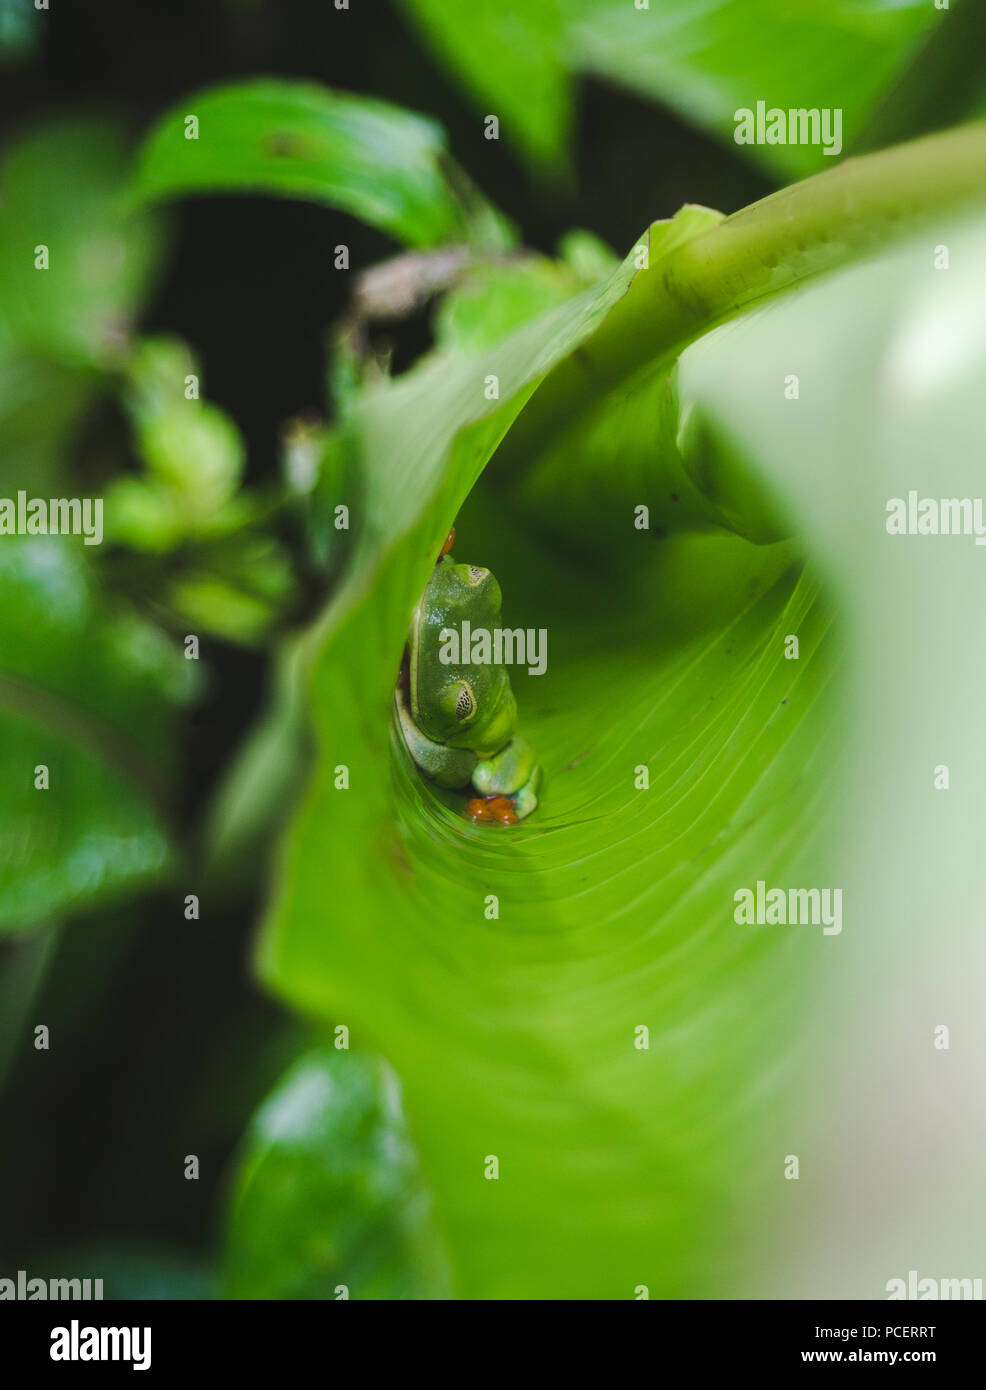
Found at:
(162, 1045)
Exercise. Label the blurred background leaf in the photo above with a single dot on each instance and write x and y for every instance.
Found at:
(943, 82)
(90, 689)
(491, 298)
(193, 452)
(891, 360)
(328, 1200)
(384, 164)
(61, 187)
(92, 692)
(134, 1273)
(705, 60)
(19, 21)
(60, 327)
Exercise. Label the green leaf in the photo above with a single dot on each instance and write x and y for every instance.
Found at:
(328, 1200)
(218, 574)
(193, 453)
(943, 83)
(41, 404)
(493, 298)
(61, 191)
(60, 327)
(516, 1035)
(704, 60)
(88, 692)
(23, 968)
(509, 60)
(381, 163)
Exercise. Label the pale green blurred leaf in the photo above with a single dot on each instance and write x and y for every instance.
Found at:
(891, 365)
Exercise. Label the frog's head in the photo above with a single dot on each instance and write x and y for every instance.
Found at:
(456, 702)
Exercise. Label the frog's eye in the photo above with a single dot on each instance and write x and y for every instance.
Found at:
(457, 701)
(465, 702)
(477, 574)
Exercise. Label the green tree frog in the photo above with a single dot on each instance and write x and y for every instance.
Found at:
(458, 721)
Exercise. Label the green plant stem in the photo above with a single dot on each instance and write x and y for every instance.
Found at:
(772, 246)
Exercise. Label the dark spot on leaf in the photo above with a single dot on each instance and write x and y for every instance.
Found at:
(282, 145)
(398, 856)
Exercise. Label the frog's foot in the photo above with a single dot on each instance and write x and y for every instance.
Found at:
(507, 771)
(511, 776)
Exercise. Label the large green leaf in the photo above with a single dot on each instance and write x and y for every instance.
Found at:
(367, 157)
(516, 1035)
(705, 60)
